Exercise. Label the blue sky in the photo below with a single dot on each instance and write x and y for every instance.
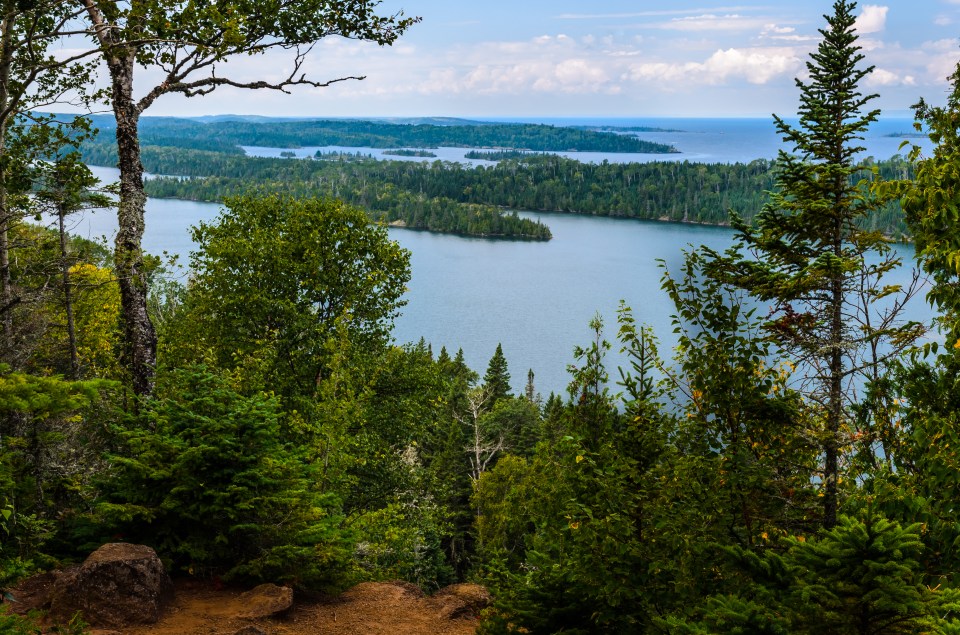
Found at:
(609, 58)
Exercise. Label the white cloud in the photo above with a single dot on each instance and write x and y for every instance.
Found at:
(946, 45)
(712, 22)
(872, 19)
(883, 77)
(779, 30)
(785, 34)
(943, 20)
(756, 66)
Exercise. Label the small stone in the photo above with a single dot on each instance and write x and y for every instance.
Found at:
(265, 600)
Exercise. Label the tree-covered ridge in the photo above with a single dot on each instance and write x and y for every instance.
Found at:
(672, 191)
(229, 135)
(384, 202)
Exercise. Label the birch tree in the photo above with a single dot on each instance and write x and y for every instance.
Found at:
(188, 41)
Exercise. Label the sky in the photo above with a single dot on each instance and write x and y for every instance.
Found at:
(605, 58)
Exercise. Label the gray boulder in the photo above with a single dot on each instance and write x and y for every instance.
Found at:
(118, 585)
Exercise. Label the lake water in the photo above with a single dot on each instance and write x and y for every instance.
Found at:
(698, 140)
(534, 298)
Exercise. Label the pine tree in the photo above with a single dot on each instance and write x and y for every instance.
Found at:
(497, 377)
(808, 251)
(863, 577)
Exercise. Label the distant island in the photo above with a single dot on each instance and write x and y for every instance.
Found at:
(406, 152)
(335, 155)
(231, 135)
(906, 135)
(498, 155)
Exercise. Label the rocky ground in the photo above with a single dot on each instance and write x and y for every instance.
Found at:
(122, 589)
(371, 608)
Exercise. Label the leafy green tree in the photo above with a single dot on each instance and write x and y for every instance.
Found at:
(32, 77)
(809, 253)
(66, 187)
(188, 40)
(273, 278)
(45, 448)
(930, 202)
(744, 430)
(926, 414)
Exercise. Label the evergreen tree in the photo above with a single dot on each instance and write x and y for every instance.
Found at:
(497, 377)
(863, 577)
(808, 251)
(207, 479)
(530, 392)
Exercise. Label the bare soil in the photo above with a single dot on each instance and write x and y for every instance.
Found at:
(371, 608)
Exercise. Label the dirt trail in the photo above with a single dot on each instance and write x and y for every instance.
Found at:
(372, 608)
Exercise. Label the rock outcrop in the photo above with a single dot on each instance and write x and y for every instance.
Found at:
(118, 585)
(265, 600)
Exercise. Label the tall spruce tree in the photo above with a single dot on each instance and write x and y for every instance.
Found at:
(809, 255)
(497, 377)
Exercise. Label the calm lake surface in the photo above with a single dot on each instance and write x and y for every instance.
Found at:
(697, 140)
(537, 298)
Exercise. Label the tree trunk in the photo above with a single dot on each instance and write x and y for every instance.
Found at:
(6, 283)
(831, 471)
(140, 338)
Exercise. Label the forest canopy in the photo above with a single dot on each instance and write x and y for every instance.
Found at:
(788, 469)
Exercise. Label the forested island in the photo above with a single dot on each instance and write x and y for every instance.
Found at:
(229, 136)
(427, 195)
(496, 155)
(403, 152)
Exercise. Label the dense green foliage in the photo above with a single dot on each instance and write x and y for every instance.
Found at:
(322, 271)
(205, 476)
(290, 439)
